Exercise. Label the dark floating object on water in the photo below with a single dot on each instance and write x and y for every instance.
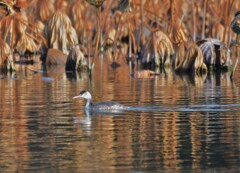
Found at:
(100, 106)
(2, 77)
(144, 74)
(47, 79)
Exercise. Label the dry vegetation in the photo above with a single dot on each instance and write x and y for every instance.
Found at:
(157, 32)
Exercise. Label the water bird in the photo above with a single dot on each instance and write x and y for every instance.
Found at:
(100, 106)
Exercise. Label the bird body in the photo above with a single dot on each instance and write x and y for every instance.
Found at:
(101, 106)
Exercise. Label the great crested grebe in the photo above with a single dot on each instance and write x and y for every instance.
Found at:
(100, 106)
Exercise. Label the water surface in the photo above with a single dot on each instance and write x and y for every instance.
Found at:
(175, 123)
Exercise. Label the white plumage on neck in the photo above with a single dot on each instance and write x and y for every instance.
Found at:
(87, 96)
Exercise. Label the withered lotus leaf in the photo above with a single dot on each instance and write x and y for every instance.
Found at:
(17, 35)
(76, 16)
(59, 32)
(193, 60)
(38, 27)
(45, 8)
(158, 49)
(5, 51)
(26, 43)
(23, 3)
(9, 2)
(215, 53)
(75, 59)
(9, 7)
(17, 25)
(178, 35)
(110, 36)
(56, 57)
(6, 60)
(218, 31)
(180, 56)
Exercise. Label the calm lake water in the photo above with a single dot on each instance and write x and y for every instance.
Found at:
(175, 124)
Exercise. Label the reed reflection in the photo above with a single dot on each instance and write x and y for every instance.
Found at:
(168, 140)
(41, 127)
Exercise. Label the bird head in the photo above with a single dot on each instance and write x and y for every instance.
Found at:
(83, 94)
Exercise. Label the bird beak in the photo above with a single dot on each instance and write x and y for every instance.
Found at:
(76, 97)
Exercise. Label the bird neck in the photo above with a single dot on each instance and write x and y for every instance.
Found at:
(88, 103)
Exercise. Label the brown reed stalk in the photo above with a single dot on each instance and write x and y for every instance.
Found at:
(229, 14)
(85, 29)
(216, 9)
(129, 41)
(194, 20)
(97, 38)
(117, 35)
(225, 19)
(227, 11)
(153, 13)
(232, 71)
(142, 41)
(174, 15)
(106, 12)
(204, 18)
